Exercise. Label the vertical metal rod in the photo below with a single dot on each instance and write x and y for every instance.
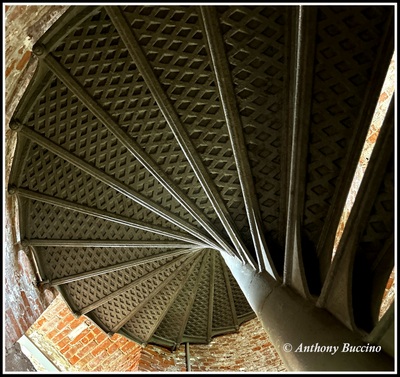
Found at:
(188, 366)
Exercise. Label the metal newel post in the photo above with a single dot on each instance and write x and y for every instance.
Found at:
(188, 368)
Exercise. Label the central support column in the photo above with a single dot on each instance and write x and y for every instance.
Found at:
(306, 338)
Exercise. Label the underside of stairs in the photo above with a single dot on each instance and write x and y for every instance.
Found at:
(154, 140)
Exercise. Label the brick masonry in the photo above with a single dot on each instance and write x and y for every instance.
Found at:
(373, 133)
(77, 344)
(24, 304)
(250, 350)
(24, 25)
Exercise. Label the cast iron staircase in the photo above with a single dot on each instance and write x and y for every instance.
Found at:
(154, 138)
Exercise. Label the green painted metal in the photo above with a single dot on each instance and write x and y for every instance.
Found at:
(229, 132)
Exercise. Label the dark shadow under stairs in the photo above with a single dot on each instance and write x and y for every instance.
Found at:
(154, 139)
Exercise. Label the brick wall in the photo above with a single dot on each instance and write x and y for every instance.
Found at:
(373, 133)
(158, 359)
(24, 303)
(24, 24)
(250, 350)
(77, 344)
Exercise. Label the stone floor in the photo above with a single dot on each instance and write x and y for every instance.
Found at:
(16, 361)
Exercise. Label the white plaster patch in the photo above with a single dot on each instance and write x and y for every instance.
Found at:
(76, 331)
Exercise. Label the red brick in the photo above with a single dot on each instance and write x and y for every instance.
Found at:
(88, 337)
(166, 361)
(39, 305)
(114, 363)
(75, 322)
(63, 342)
(85, 359)
(64, 322)
(41, 321)
(26, 303)
(23, 324)
(112, 349)
(83, 351)
(57, 306)
(96, 330)
(73, 360)
(78, 338)
(151, 351)
(52, 333)
(101, 337)
(383, 96)
(65, 349)
(59, 337)
(129, 346)
(73, 351)
(121, 341)
(61, 325)
(144, 365)
(96, 360)
(372, 138)
(106, 364)
(223, 354)
(63, 312)
(10, 317)
(15, 13)
(101, 347)
(10, 67)
(69, 318)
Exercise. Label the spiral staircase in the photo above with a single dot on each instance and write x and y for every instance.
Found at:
(155, 141)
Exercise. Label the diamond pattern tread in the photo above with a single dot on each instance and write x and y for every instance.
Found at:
(127, 150)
